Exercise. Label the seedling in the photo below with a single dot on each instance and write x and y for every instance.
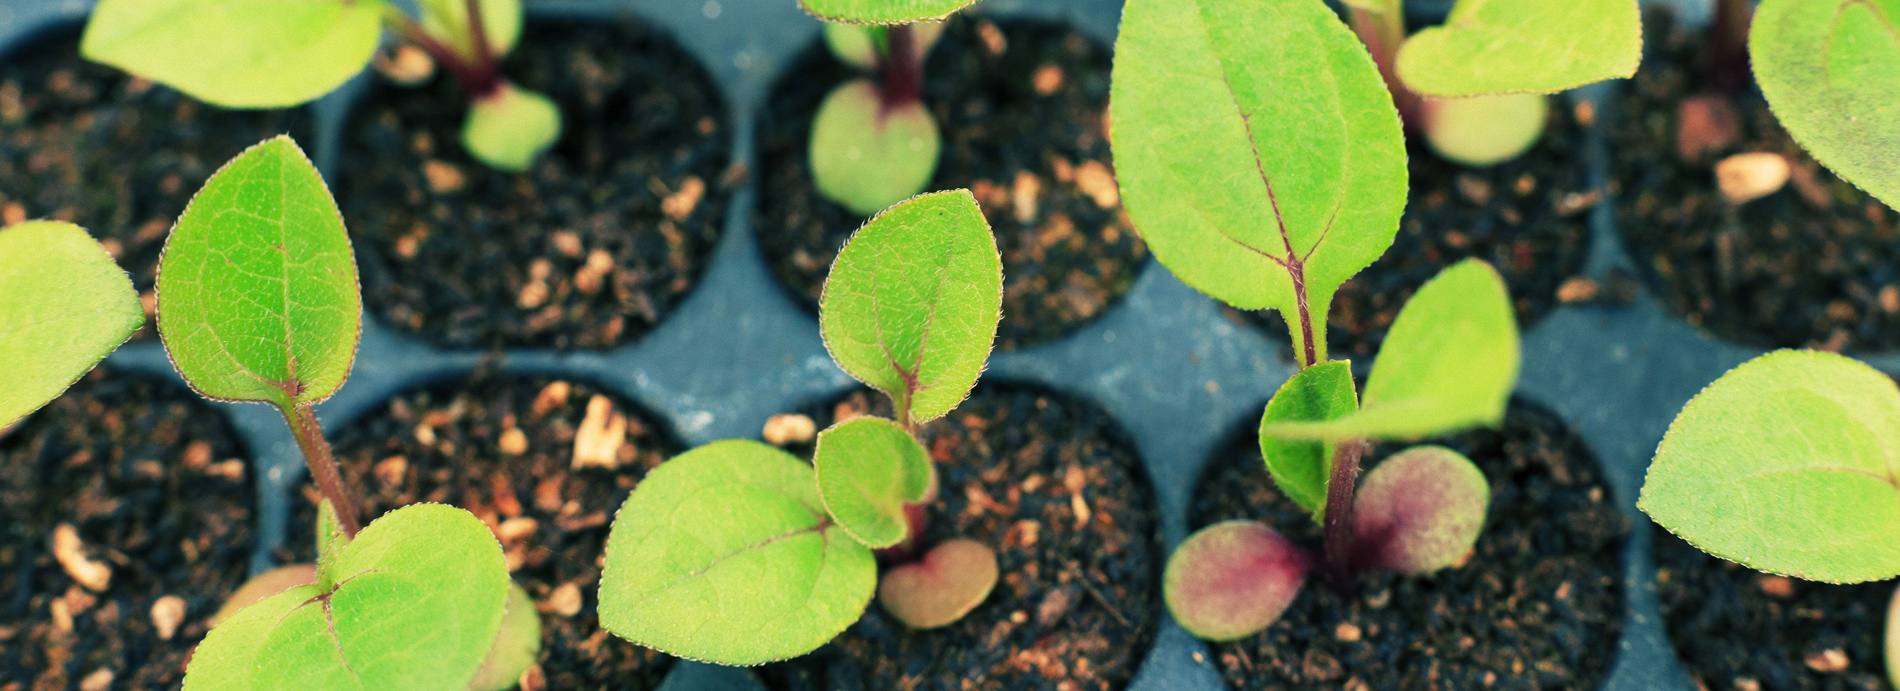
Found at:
(873, 143)
(64, 306)
(255, 54)
(741, 554)
(1476, 85)
(1267, 188)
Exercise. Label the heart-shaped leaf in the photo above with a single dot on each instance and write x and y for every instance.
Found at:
(869, 469)
(882, 11)
(1419, 511)
(237, 53)
(952, 579)
(913, 300)
(506, 130)
(866, 155)
(1523, 46)
(1232, 579)
(1831, 71)
(725, 554)
(1485, 130)
(1258, 151)
(64, 306)
(257, 295)
(1302, 468)
(1787, 465)
(418, 601)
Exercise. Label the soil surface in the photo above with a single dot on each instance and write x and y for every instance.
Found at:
(120, 156)
(590, 247)
(1810, 265)
(503, 448)
(1538, 605)
(1056, 489)
(1022, 107)
(1737, 628)
(150, 476)
(1527, 217)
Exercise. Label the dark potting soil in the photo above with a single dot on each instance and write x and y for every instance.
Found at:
(1525, 216)
(1022, 108)
(1737, 628)
(504, 449)
(1810, 265)
(148, 475)
(1056, 489)
(589, 248)
(1538, 604)
(117, 155)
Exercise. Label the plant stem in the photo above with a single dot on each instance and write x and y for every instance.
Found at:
(900, 73)
(481, 79)
(1727, 47)
(1383, 31)
(1339, 493)
(1309, 355)
(323, 469)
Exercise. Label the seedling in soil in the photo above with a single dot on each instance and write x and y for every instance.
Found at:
(258, 301)
(741, 554)
(1267, 188)
(255, 54)
(64, 306)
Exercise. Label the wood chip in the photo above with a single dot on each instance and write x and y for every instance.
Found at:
(71, 553)
(680, 204)
(1095, 180)
(1578, 289)
(1706, 124)
(513, 441)
(1048, 78)
(167, 613)
(592, 276)
(1826, 661)
(1346, 632)
(406, 65)
(1025, 196)
(197, 455)
(443, 177)
(789, 428)
(516, 529)
(565, 601)
(597, 442)
(552, 396)
(12, 213)
(1746, 177)
(99, 680)
(1776, 586)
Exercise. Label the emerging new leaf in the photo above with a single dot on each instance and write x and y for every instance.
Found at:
(447, 21)
(237, 53)
(952, 579)
(913, 300)
(1230, 580)
(64, 306)
(1485, 130)
(725, 554)
(1523, 46)
(882, 11)
(1259, 184)
(264, 585)
(508, 129)
(516, 648)
(1419, 511)
(869, 469)
(867, 154)
(1301, 468)
(1831, 71)
(1786, 465)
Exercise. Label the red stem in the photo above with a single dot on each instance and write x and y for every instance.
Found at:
(1727, 47)
(481, 81)
(323, 470)
(900, 73)
(1339, 494)
(1383, 33)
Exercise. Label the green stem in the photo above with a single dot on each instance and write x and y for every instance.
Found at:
(302, 418)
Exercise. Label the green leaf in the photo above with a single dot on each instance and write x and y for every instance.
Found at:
(1258, 151)
(237, 53)
(1419, 511)
(1302, 468)
(1232, 579)
(882, 11)
(1787, 464)
(507, 130)
(867, 157)
(868, 469)
(516, 648)
(1485, 130)
(725, 554)
(913, 300)
(1448, 363)
(257, 295)
(418, 603)
(1523, 46)
(447, 20)
(1831, 71)
(64, 306)
(856, 44)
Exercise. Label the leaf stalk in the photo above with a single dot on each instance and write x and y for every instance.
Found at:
(302, 418)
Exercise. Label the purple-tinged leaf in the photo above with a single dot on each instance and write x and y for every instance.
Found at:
(952, 579)
(1232, 579)
(1419, 511)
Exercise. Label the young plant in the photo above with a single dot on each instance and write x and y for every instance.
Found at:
(1267, 188)
(741, 554)
(277, 53)
(64, 306)
(873, 143)
(1476, 85)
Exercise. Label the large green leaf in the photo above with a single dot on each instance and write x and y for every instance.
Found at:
(64, 306)
(238, 53)
(882, 11)
(1523, 46)
(1831, 71)
(1789, 464)
(257, 295)
(418, 602)
(913, 300)
(1449, 362)
(1258, 150)
(1302, 468)
(725, 554)
(868, 469)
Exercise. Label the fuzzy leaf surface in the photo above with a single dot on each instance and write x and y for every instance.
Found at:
(1419, 511)
(1831, 72)
(64, 306)
(237, 53)
(882, 11)
(868, 469)
(1301, 468)
(1523, 46)
(937, 591)
(1232, 579)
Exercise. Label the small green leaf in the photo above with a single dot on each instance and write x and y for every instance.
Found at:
(1787, 465)
(1302, 468)
(418, 602)
(1485, 130)
(1230, 580)
(237, 53)
(64, 306)
(913, 300)
(882, 11)
(1831, 71)
(447, 21)
(725, 554)
(257, 295)
(952, 579)
(516, 648)
(868, 469)
(1523, 46)
(1448, 363)
(1419, 511)
(1258, 151)
(867, 156)
(508, 129)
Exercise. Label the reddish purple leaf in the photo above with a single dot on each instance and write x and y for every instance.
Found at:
(1233, 579)
(1419, 511)
(953, 579)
